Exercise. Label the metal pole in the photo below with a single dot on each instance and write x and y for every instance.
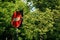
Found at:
(17, 32)
(16, 35)
(6, 38)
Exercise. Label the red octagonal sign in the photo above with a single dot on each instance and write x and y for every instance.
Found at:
(16, 19)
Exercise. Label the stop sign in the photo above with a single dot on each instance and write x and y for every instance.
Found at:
(16, 19)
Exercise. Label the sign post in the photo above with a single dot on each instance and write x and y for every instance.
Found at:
(16, 35)
(17, 21)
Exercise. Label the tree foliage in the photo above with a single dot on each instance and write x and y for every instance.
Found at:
(43, 23)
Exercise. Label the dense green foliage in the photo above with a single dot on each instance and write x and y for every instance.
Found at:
(43, 23)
